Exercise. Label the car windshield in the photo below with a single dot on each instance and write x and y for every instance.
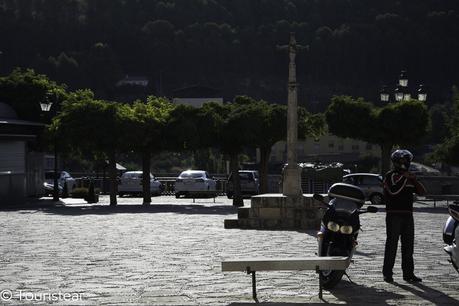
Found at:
(191, 175)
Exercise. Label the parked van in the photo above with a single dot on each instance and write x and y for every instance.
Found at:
(249, 183)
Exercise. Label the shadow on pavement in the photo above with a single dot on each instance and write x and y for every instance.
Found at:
(154, 208)
(423, 209)
(32, 204)
(347, 292)
(428, 294)
(280, 304)
(355, 294)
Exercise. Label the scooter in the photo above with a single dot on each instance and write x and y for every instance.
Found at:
(450, 234)
(340, 226)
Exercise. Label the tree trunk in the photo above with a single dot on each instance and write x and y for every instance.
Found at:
(237, 197)
(264, 159)
(386, 149)
(113, 179)
(146, 160)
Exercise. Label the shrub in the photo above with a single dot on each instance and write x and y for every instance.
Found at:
(82, 192)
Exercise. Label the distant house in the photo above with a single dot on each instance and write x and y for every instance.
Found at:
(133, 81)
(21, 168)
(131, 88)
(196, 95)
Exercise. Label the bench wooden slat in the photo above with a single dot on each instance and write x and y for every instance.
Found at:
(276, 264)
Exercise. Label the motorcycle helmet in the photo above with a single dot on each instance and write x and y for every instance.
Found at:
(401, 159)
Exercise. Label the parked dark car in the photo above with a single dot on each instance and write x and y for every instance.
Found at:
(370, 183)
(249, 183)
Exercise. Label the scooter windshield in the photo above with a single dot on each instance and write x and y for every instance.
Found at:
(343, 205)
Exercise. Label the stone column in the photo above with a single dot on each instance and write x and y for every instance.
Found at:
(291, 176)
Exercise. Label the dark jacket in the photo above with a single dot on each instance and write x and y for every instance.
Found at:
(398, 192)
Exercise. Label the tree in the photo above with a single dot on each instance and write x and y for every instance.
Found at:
(182, 133)
(267, 124)
(232, 139)
(403, 123)
(97, 127)
(448, 150)
(147, 126)
(226, 127)
(24, 89)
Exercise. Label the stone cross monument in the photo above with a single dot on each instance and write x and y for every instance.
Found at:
(291, 176)
(292, 209)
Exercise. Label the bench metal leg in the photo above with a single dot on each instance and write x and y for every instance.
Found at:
(254, 283)
(320, 282)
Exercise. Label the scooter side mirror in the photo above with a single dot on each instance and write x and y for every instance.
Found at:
(372, 209)
(319, 198)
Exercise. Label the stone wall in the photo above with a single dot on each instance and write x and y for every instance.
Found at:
(276, 211)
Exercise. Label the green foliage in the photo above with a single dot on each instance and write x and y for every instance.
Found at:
(181, 132)
(354, 44)
(448, 150)
(402, 123)
(91, 126)
(439, 130)
(148, 122)
(24, 89)
(347, 117)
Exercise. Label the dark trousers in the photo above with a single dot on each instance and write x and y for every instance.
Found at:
(399, 225)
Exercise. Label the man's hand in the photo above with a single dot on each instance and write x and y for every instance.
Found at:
(409, 175)
(420, 189)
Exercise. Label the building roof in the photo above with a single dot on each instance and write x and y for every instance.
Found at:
(11, 126)
(7, 112)
(136, 80)
(196, 91)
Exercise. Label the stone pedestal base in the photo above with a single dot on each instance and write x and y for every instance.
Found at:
(291, 181)
(276, 211)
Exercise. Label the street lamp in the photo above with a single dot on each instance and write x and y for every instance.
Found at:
(422, 95)
(401, 92)
(46, 107)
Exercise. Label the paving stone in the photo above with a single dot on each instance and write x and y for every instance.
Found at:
(170, 253)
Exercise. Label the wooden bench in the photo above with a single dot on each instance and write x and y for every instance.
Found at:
(252, 265)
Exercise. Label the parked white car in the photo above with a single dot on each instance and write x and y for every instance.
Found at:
(195, 183)
(131, 183)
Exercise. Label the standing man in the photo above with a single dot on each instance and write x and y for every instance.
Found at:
(399, 186)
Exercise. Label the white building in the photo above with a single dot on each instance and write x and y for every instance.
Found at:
(328, 148)
(196, 95)
(21, 169)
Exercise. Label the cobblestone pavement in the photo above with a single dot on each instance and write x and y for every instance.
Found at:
(170, 254)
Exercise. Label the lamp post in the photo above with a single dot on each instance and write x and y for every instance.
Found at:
(401, 91)
(46, 107)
